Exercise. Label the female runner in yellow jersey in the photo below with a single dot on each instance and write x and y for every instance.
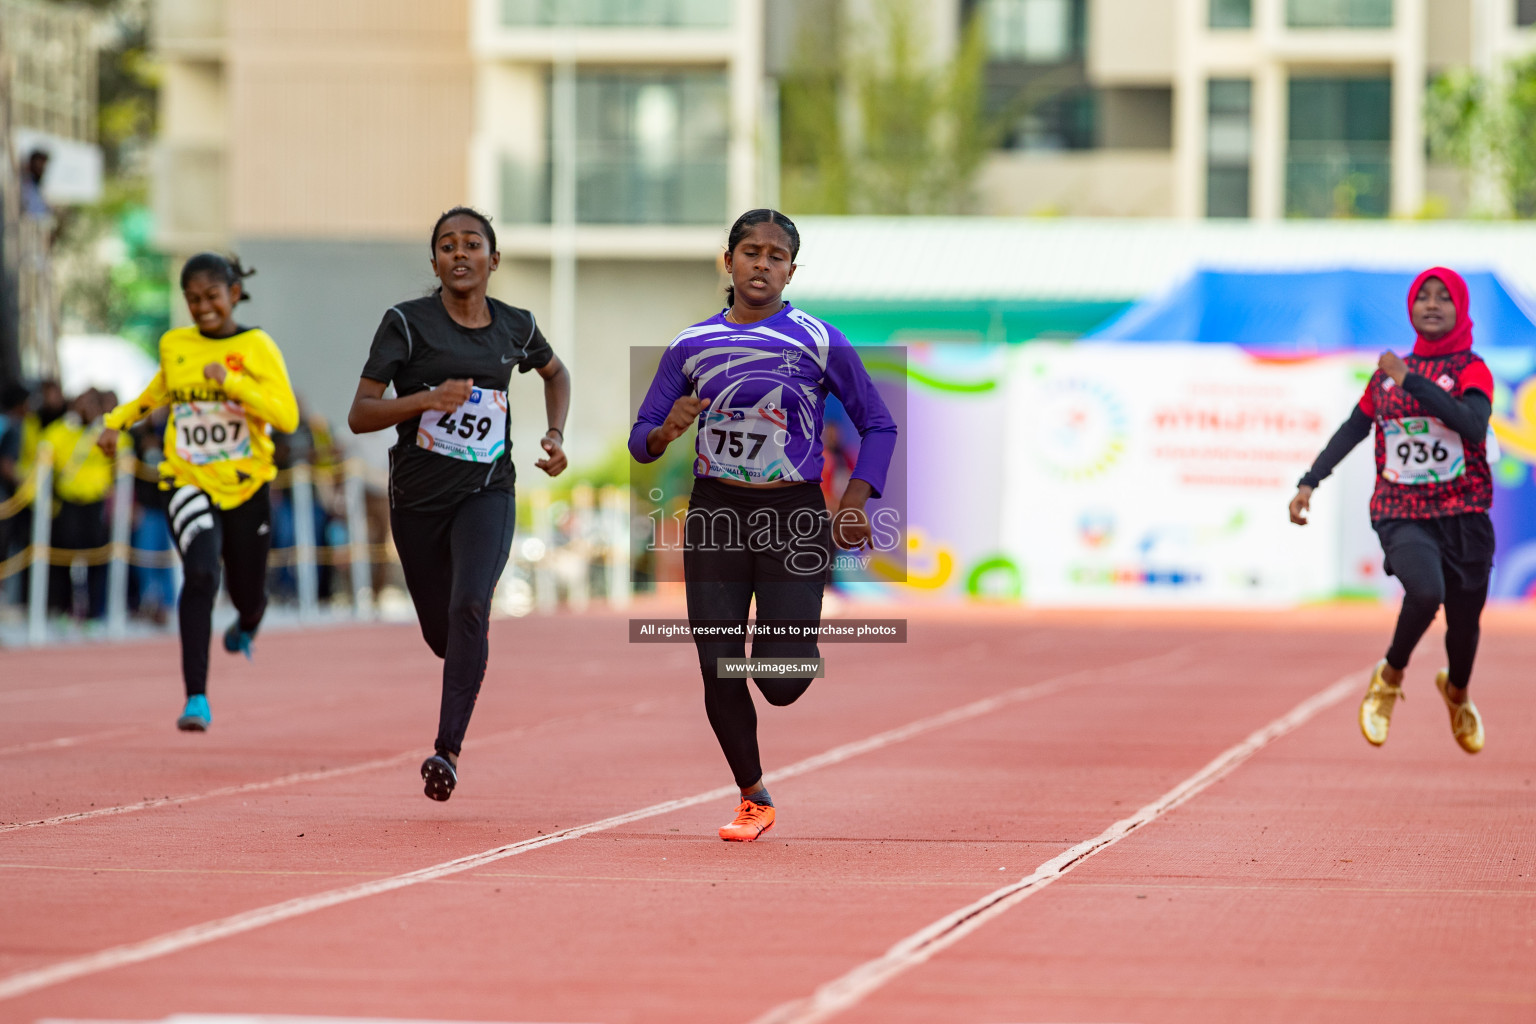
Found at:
(227, 387)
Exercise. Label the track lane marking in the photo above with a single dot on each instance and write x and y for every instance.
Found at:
(25, 982)
(68, 741)
(322, 774)
(849, 989)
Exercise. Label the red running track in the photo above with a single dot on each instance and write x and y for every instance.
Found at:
(265, 867)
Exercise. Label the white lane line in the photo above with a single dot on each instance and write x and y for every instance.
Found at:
(844, 992)
(317, 775)
(265, 1018)
(200, 934)
(187, 798)
(67, 741)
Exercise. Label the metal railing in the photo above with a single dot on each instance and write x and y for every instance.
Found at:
(618, 190)
(1325, 180)
(618, 13)
(37, 298)
(1338, 13)
(542, 571)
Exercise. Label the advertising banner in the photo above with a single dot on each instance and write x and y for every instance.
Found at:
(1160, 474)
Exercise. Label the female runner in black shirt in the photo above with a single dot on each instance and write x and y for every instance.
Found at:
(451, 507)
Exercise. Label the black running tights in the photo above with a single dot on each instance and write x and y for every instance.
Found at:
(725, 572)
(451, 562)
(205, 535)
(1426, 586)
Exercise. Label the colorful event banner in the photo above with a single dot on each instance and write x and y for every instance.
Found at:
(1147, 474)
(1160, 474)
(1103, 474)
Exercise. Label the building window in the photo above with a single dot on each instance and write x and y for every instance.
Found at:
(618, 13)
(1525, 13)
(650, 149)
(1338, 13)
(1034, 31)
(1065, 120)
(1228, 147)
(1231, 14)
(1339, 160)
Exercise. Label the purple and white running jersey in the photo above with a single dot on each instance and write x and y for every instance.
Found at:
(767, 383)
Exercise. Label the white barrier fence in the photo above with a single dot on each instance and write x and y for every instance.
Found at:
(549, 562)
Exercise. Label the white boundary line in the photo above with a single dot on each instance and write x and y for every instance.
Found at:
(844, 992)
(316, 775)
(67, 741)
(24, 982)
(187, 798)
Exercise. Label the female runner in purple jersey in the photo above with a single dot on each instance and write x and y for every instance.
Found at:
(755, 377)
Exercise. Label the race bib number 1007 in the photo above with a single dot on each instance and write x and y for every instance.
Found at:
(208, 432)
(1422, 450)
(475, 432)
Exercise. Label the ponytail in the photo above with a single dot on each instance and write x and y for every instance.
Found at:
(221, 268)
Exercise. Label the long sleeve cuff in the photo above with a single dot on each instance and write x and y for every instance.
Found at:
(875, 451)
(637, 435)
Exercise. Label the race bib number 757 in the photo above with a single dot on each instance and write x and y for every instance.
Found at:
(475, 432)
(1422, 450)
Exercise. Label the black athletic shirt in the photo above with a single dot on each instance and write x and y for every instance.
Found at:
(418, 345)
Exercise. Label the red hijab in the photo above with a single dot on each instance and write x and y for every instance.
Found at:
(1460, 338)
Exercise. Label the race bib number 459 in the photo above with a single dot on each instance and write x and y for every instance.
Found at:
(209, 432)
(475, 432)
(1422, 450)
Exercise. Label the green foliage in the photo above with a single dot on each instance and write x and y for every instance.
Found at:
(871, 124)
(116, 282)
(113, 280)
(1488, 126)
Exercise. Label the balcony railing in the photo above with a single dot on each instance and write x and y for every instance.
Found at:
(619, 189)
(1338, 180)
(1338, 13)
(617, 13)
(53, 51)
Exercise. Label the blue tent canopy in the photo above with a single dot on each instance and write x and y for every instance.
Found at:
(1316, 311)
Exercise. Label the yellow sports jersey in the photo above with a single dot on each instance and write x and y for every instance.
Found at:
(217, 437)
(82, 472)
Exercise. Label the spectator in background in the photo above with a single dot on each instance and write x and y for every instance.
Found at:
(82, 480)
(310, 442)
(153, 588)
(50, 407)
(32, 202)
(13, 413)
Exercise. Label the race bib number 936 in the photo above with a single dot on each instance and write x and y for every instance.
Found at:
(475, 432)
(1422, 450)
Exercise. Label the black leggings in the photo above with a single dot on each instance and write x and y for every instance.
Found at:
(452, 561)
(79, 528)
(728, 557)
(205, 534)
(1439, 561)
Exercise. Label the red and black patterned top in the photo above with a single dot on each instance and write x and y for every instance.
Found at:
(1406, 444)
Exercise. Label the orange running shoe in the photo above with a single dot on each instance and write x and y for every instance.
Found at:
(752, 820)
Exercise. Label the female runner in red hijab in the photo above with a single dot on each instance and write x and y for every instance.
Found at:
(1433, 492)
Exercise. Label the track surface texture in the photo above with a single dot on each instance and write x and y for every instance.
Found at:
(286, 862)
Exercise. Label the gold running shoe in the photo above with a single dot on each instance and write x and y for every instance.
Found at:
(1376, 709)
(1466, 723)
